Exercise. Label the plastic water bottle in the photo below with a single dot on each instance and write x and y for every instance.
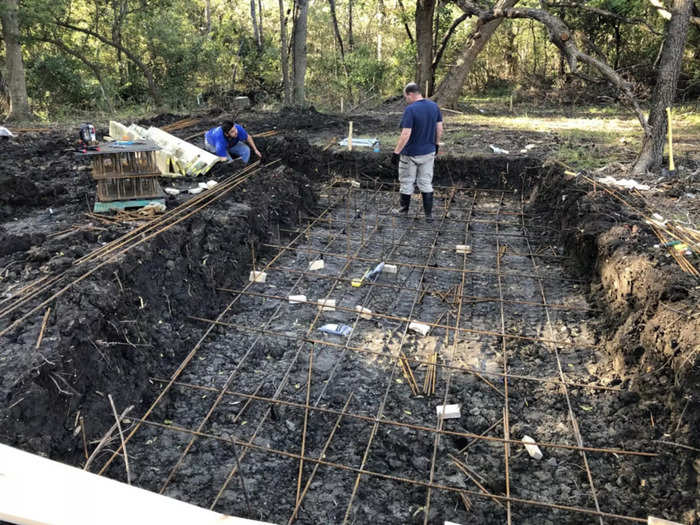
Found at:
(376, 146)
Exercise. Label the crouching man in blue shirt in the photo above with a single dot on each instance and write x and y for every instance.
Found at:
(421, 130)
(229, 140)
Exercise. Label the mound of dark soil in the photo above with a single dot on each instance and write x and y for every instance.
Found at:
(127, 322)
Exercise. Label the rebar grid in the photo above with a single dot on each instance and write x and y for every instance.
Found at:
(355, 225)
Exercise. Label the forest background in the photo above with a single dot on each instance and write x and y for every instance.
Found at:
(83, 56)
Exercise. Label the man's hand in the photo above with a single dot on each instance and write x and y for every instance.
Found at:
(257, 152)
(437, 148)
(395, 159)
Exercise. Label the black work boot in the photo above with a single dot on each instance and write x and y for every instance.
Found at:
(405, 203)
(428, 206)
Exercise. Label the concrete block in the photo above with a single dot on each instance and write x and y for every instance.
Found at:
(296, 299)
(390, 268)
(448, 411)
(257, 277)
(326, 305)
(421, 328)
(533, 450)
(318, 264)
(463, 248)
(365, 313)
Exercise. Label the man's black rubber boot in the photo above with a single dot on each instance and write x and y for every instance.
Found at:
(405, 203)
(428, 206)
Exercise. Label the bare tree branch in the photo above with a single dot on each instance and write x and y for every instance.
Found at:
(603, 12)
(446, 39)
(131, 56)
(404, 17)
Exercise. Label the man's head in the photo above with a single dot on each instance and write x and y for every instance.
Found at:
(411, 92)
(229, 129)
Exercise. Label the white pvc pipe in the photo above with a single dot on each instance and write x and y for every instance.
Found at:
(39, 491)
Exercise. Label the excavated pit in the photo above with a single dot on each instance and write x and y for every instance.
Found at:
(557, 276)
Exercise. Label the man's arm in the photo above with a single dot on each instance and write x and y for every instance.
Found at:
(251, 143)
(403, 139)
(438, 132)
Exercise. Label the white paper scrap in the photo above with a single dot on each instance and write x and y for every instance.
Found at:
(390, 268)
(296, 299)
(171, 191)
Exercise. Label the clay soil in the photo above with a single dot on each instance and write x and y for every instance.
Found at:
(127, 327)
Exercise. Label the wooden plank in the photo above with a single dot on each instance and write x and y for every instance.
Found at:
(38, 491)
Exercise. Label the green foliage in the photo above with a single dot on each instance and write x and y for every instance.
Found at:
(186, 59)
(58, 80)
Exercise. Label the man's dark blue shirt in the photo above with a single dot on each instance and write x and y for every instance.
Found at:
(422, 117)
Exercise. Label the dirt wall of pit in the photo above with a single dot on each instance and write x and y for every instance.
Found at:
(482, 171)
(646, 305)
(129, 321)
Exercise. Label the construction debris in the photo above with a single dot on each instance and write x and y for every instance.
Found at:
(177, 157)
(532, 449)
(390, 268)
(463, 248)
(296, 299)
(336, 329)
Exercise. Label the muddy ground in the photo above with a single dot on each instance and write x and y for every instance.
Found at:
(125, 325)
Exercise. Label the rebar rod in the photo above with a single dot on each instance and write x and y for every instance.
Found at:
(572, 416)
(448, 382)
(399, 479)
(466, 298)
(408, 320)
(246, 328)
(434, 268)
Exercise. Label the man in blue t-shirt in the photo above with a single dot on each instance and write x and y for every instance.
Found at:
(229, 140)
(421, 130)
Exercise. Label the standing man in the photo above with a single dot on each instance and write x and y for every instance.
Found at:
(421, 130)
(229, 140)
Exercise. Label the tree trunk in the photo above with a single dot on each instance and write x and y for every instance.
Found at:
(336, 30)
(404, 21)
(299, 52)
(450, 88)
(651, 156)
(351, 38)
(284, 58)
(260, 22)
(254, 20)
(17, 86)
(425, 9)
(207, 15)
